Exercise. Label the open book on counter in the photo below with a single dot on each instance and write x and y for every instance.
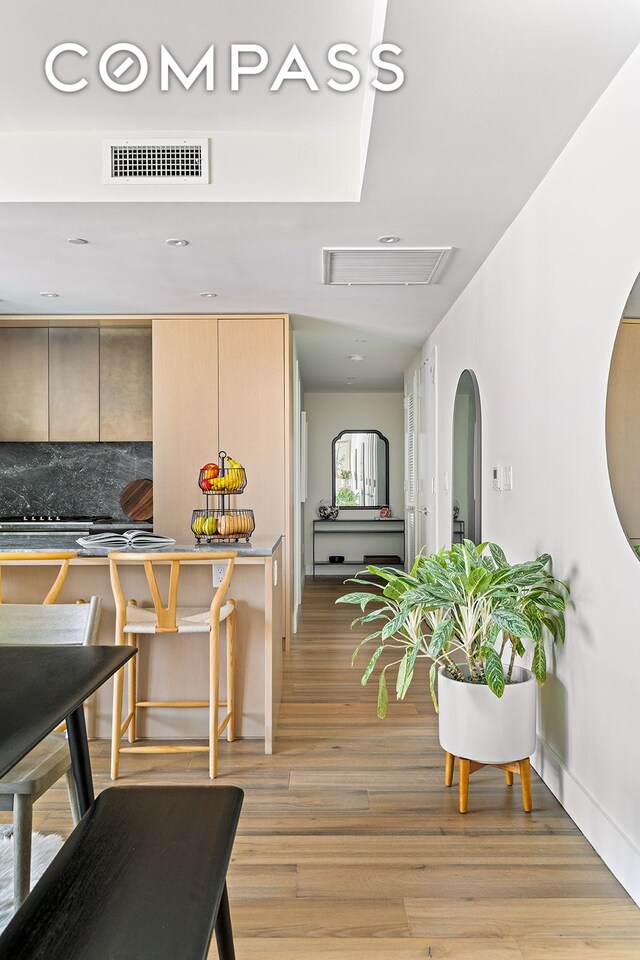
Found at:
(130, 538)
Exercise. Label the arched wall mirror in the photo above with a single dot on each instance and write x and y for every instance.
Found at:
(360, 470)
(623, 419)
(466, 485)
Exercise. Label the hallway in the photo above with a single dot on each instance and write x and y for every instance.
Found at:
(350, 846)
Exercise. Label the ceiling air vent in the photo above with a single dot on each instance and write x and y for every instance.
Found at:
(402, 266)
(156, 161)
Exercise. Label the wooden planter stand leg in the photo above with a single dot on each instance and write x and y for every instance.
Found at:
(467, 767)
(448, 769)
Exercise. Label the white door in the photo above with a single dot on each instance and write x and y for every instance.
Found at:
(427, 459)
(422, 485)
(411, 410)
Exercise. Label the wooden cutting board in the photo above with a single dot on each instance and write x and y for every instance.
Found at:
(136, 500)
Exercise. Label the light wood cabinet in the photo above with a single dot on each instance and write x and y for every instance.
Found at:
(74, 379)
(223, 383)
(185, 418)
(24, 384)
(125, 384)
(251, 414)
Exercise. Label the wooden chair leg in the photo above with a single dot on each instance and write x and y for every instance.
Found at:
(73, 797)
(132, 668)
(463, 781)
(449, 764)
(525, 777)
(118, 686)
(214, 697)
(231, 673)
(22, 827)
(508, 775)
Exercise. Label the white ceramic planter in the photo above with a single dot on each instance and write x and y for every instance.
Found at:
(477, 725)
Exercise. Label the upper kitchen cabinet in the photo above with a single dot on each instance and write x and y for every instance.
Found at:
(24, 379)
(74, 383)
(125, 383)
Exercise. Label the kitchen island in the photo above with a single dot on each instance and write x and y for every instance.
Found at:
(177, 666)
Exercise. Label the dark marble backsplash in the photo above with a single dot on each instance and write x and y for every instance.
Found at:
(76, 479)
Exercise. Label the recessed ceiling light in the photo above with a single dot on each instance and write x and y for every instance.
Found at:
(350, 383)
(173, 242)
(360, 341)
(388, 239)
(356, 357)
(49, 295)
(206, 294)
(77, 240)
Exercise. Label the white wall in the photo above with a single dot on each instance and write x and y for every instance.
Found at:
(537, 325)
(327, 415)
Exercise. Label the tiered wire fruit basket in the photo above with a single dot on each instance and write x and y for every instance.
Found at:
(218, 522)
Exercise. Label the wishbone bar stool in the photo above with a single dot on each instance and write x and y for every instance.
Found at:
(23, 557)
(133, 620)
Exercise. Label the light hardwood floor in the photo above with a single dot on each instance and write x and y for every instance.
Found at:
(351, 847)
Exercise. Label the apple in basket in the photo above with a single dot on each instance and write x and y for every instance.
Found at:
(208, 473)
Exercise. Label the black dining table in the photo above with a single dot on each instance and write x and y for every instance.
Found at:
(42, 686)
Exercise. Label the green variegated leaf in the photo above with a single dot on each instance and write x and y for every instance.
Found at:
(371, 665)
(379, 612)
(405, 676)
(512, 622)
(383, 696)
(554, 601)
(539, 663)
(433, 671)
(361, 598)
(479, 580)
(494, 673)
(395, 624)
(441, 637)
(361, 644)
(498, 555)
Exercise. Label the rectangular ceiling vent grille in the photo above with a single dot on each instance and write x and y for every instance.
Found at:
(157, 161)
(402, 266)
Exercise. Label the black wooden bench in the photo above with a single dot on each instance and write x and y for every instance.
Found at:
(142, 877)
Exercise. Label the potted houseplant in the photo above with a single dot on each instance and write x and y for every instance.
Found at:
(473, 615)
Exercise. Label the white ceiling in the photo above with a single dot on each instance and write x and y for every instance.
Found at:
(494, 91)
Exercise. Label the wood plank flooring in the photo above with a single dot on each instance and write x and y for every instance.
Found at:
(351, 847)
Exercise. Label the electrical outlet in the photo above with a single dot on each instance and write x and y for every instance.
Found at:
(219, 570)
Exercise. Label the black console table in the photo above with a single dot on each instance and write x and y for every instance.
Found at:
(392, 530)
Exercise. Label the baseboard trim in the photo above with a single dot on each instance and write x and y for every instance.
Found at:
(617, 850)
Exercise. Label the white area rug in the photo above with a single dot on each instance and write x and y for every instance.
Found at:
(43, 850)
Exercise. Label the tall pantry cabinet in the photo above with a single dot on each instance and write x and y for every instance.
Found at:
(222, 383)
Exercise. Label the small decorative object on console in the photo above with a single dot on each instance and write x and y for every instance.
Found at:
(385, 513)
(327, 511)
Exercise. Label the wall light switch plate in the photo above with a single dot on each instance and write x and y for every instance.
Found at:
(495, 478)
(446, 480)
(507, 478)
